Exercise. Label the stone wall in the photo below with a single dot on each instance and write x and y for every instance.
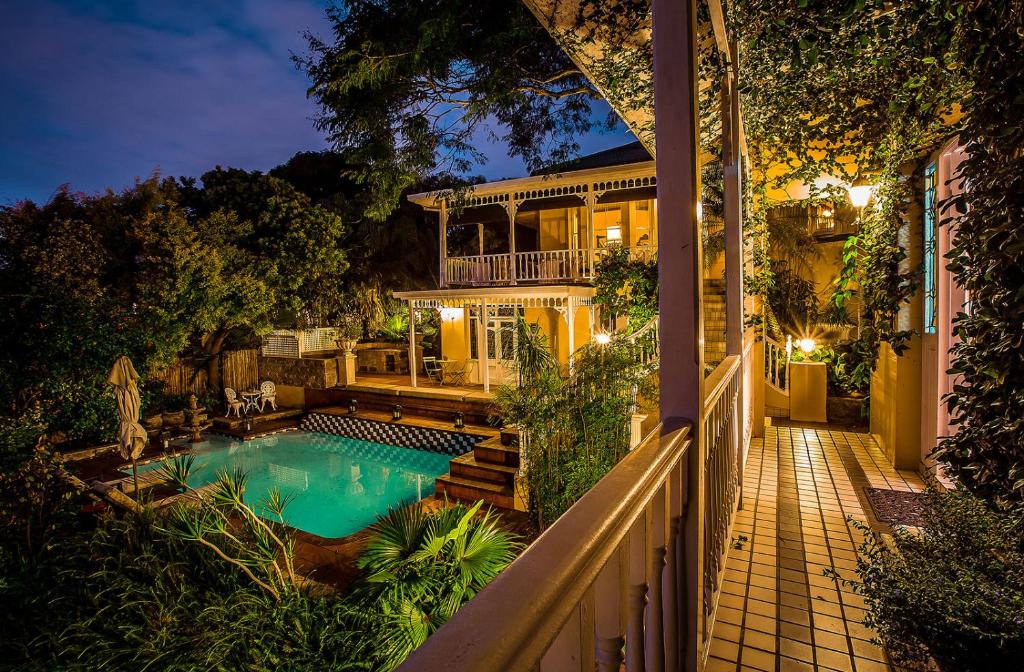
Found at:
(307, 372)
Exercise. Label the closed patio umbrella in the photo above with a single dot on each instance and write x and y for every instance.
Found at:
(131, 435)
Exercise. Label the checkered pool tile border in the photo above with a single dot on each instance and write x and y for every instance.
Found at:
(407, 436)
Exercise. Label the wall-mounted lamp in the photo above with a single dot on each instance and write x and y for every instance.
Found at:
(860, 192)
(450, 314)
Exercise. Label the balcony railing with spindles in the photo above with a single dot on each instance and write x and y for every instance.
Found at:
(532, 267)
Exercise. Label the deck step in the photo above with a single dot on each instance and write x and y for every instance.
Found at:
(467, 466)
(492, 452)
(470, 490)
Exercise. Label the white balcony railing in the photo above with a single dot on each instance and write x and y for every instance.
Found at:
(597, 587)
(531, 267)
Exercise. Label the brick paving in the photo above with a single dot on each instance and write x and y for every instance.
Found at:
(778, 612)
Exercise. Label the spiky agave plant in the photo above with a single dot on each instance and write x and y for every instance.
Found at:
(178, 468)
(221, 521)
(421, 567)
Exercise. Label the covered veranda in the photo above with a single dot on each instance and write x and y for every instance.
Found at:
(482, 351)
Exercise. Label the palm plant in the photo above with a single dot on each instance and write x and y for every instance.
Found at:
(421, 567)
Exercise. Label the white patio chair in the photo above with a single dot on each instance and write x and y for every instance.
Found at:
(268, 392)
(433, 369)
(233, 402)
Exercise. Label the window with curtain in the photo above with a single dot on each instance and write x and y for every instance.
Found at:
(930, 225)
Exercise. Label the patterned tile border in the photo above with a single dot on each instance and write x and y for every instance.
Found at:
(407, 436)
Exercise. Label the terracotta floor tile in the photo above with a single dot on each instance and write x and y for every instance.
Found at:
(833, 660)
(760, 660)
(795, 649)
(759, 640)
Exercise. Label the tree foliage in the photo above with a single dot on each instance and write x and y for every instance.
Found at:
(409, 88)
(150, 272)
(987, 259)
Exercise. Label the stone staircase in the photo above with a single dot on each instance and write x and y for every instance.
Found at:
(488, 472)
(714, 321)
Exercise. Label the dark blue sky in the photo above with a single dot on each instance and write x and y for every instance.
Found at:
(98, 93)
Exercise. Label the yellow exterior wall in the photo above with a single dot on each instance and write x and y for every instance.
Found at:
(896, 405)
(454, 343)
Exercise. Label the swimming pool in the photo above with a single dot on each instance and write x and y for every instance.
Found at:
(339, 484)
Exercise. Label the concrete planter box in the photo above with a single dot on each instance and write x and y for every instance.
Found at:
(846, 411)
(317, 373)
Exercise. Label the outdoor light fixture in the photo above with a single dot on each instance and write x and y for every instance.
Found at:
(615, 234)
(166, 443)
(602, 338)
(353, 406)
(396, 412)
(806, 345)
(700, 211)
(460, 421)
(860, 192)
(450, 314)
(248, 424)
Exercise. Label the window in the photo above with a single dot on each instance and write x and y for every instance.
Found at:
(930, 223)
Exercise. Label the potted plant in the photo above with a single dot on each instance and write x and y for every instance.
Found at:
(350, 328)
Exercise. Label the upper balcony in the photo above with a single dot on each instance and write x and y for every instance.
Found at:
(545, 229)
(539, 267)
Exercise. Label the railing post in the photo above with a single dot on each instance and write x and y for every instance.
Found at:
(680, 279)
(657, 522)
(637, 595)
(608, 604)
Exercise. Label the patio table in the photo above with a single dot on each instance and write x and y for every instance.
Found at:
(250, 400)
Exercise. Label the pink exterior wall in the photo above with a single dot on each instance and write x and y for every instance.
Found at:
(950, 300)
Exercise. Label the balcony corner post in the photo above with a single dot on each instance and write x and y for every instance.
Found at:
(512, 207)
(442, 226)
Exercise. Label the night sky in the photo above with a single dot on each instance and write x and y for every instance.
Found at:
(96, 94)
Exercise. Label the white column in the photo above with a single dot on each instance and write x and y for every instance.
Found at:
(511, 209)
(412, 345)
(443, 236)
(733, 218)
(591, 199)
(481, 339)
(570, 320)
(681, 369)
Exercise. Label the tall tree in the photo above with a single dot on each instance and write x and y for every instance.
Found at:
(407, 86)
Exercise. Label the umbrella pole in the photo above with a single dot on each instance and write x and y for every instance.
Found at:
(135, 477)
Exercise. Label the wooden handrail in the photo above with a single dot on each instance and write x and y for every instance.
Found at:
(512, 622)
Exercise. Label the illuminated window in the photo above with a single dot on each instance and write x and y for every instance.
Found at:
(930, 224)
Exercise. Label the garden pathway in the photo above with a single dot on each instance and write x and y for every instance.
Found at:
(778, 612)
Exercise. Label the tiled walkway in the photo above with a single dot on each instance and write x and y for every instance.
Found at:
(778, 612)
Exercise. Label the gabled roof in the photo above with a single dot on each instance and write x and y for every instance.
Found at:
(622, 155)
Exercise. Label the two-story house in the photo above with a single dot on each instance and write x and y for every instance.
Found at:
(529, 247)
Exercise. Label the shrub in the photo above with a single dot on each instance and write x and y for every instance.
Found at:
(953, 592)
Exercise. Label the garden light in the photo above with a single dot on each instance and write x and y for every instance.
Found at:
(353, 406)
(806, 345)
(860, 192)
(396, 412)
(602, 339)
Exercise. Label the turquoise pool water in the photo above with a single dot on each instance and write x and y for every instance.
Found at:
(340, 485)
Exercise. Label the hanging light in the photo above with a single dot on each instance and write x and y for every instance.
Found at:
(860, 192)
(396, 412)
